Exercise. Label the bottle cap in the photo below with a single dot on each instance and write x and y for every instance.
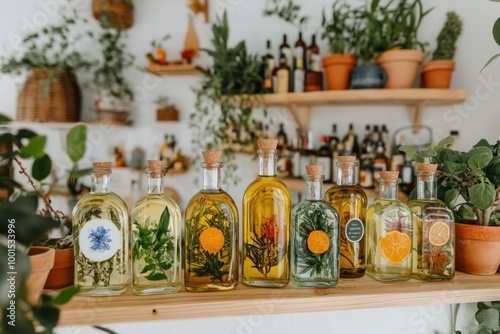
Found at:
(267, 146)
(346, 158)
(101, 165)
(314, 172)
(212, 159)
(426, 170)
(154, 166)
(389, 175)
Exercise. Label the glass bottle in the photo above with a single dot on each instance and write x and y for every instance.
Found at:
(350, 201)
(266, 224)
(433, 230)
(388, 233)
(156, 233)
(211, 233)
(100, 234)
(315, 236)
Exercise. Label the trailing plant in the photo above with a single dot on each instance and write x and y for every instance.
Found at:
(341, 29)
(473, 176)
(488, 317)
(287, 10)
(447, 38)
(224, 101)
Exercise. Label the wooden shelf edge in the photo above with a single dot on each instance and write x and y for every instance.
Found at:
(180, 69)
(350, 294)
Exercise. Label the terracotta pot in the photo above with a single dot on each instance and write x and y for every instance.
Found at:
(42, 260)
(437, 73)
(338, 69)
(62, 273)
(401, 67)
(477, 249)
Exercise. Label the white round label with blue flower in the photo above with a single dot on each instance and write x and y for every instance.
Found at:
(99, 239)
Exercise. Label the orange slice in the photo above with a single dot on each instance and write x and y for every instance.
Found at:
(439, 233)
(395, 246)
(318, 242)
(212, 240)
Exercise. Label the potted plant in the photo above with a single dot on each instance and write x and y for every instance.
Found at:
(117, 14)
(402, 59)
(469, 184)
(115, 94)
(50, 56)
(437, 72)
(341, 31)
(165, 110)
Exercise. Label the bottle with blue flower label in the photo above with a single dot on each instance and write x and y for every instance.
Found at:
(100, 234)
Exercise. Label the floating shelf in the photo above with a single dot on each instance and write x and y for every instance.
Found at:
(350, 294)
(61, 125)
(174, 69)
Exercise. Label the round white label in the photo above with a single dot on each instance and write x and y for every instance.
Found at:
(99, 239)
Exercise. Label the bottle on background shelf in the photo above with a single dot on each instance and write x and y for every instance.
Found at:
(211, 233)
(156, 238)
(315, 236)
(299, 65)
(388, 233)
(100, 236)
(350, 201)
(282, 137)
(433, 230)
(314, 75)
(386, 140)
(324, 158)
(268, 67)
(266, 224)
(380, 160)
(281, 76)
(406, 171)
(366, 168)
(456, 145)
(287, 51)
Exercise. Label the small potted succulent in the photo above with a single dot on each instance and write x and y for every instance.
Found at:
(437, 72)
(469, 184)
(165, 110)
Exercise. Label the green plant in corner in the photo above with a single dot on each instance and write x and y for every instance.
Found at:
(225, 100)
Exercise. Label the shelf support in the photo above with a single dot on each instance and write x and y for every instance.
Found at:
(301, 114)
(417, 117)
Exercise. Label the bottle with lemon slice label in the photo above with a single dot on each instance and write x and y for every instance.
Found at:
(315, 236)
(388, 233)
(433, 230)
(211, 233)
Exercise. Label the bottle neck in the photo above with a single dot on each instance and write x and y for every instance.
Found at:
(345, 173)
(388, 189)
(426, 186)
(314, 188)
(267, 163)
(155, 182)
(211, 178)
(100, 182)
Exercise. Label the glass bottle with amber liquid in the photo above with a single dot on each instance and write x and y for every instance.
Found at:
(156, 238)
(388, 233)
(266, 224)
(211, 233)
(281, 76)
(350, 201)
(433, 230)
(315, 236)
(100, 235)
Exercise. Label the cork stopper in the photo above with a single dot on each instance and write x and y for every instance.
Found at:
(267, 144)
(425, 171)
(101, 168)
(155, 167)
(389, 176)
(346, 158)
(212, 159)
(314, 172)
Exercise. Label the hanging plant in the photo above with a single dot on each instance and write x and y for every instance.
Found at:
(117, 14)
(286, 10)
(226, 99)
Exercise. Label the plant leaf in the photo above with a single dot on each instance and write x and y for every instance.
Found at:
(76, 142)
(147, 268)
(65, 295)
(490, 61)
(482, 195)
(48, 316)
(479, 157)
(41, 167)
(164, 221)
(35, 148)
(409, 150)
(4, 119)
(446, 141)
(451, 196)
(496, 31)
(156, 277)
(453, 168)
(488, 318)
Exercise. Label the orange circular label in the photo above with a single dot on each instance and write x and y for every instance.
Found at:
(212, 240)
(318, 242)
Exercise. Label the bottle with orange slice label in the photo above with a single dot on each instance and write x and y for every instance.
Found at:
(156, 238)
(315, 236)
(211, 233)
(433, 230)
(388, 233)
(266, 224)
(350, 201)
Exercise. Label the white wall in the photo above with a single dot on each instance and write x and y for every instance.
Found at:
(478, 118)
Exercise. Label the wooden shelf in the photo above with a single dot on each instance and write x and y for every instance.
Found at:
(350, 294)
(61, 125)
(174, 69)
(300, 103)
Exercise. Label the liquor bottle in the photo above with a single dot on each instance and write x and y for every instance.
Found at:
(433, 230)
(366, 168)
(282, 137)
(156, 238)
(406, 171)
(268, 65)
(314, 76)
(165, 151)
(299, 65)
(367, 144)
(100, 236)
(334, 139)
(266, 224)
(211, 233)
(315, 236)
(388, 233)
(324, 158)
(380, 161)
(287, 51)
(350, 201)
(281, 76)
(386, 140)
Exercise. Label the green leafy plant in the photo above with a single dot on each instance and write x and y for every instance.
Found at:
(225, 98)
(448, 36)
(163, 101)
(287, 10)
(155, 244)
(472, 176)
(341, 29)
(488, 317)
(496, 37)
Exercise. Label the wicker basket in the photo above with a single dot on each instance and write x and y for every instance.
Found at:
(49, 95)
(114, 13)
